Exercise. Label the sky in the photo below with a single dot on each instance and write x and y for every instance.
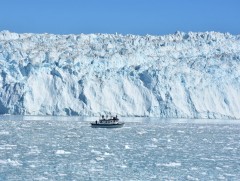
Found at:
(155, 17)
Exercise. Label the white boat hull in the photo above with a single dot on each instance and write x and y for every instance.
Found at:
(106, 125)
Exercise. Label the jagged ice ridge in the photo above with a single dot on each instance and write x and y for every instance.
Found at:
(183, 75)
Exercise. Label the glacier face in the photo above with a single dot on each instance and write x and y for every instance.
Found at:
(183, 75)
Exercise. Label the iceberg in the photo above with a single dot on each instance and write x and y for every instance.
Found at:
(181, 75)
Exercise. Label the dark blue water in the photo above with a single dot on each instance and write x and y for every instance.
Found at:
(67, 148)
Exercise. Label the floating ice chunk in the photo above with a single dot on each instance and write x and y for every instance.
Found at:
(99, 158)
(189, 177)
(62, 152)
(62, 174)
(180, 131)
(41, 178)
(151, 146)
(7, 147)
(127, 147)
(72, 135)
(107, 147)
(221, 177)
(194, 168)
(93, 161)
(34, 151)
(2, 162)
(96, 152)
(108, 154)
(228, 148)
(154, 140)
(96, 169)
(123, 166)
(141, 132)
(13, 162)
(172, 164)
(32, 166)
(15, 155)
(205, 139)
(4, 133)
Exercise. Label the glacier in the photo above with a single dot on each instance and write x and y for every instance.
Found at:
(181, 75)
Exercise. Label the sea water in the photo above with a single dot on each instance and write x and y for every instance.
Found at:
(67, 148)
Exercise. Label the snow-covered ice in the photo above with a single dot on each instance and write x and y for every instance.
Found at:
(183, 75)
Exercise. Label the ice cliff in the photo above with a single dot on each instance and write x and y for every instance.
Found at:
(183, 75)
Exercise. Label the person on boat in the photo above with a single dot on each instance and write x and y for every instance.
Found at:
(115, 118)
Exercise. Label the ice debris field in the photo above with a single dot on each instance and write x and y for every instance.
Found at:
(183, 75)
(70, 149)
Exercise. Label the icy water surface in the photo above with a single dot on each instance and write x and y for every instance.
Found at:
(67, 148)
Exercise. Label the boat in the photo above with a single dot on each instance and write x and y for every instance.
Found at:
(112, 122)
